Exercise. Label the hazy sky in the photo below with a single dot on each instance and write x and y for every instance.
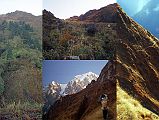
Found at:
(30, 6)
(65, 70)
(131, 7)
(67, 8)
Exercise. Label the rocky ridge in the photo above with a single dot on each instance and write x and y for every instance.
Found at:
(135, 69)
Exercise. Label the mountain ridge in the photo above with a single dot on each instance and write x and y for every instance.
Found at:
(55, 91)
(143, 50)
(62, 40)
(135, 70)
(34, 21)
(78, 106)
(88, 77)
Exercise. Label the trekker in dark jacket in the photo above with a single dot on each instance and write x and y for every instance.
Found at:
(104, 103)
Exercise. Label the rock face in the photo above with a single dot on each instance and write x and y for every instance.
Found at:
(55, 90)
(137, 56)
(52, 92)
(50, 22)
(78, 106)
(105, 14)
(135, 69)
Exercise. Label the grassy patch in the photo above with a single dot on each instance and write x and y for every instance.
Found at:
(130, 109)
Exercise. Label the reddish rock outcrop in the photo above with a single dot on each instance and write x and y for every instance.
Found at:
(135, 68)
(137, 56)
(78, 106)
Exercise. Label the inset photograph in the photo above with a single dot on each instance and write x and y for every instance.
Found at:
(79, 90)
(20, 60)
(137, 56)
(76, 31)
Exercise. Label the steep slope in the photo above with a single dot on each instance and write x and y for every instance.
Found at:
(22, 82)
(137, 56)
(20, 66)
(80, 37)
(105, 14)
(130, 109)
(135, 69)
(54, 90)
(81, 105)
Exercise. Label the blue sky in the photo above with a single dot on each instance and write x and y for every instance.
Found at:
(63, 71)
(30, 6)
(67, 8)
(131, 7)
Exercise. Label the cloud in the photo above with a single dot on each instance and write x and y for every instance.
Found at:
(156, 8)
(131, 7)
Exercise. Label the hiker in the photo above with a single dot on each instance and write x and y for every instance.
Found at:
(104, 103)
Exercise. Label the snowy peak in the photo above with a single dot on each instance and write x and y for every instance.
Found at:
(79, 83)
(53, 88)
(88, 75)
(63, 86)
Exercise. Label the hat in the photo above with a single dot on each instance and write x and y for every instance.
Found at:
(104, 97)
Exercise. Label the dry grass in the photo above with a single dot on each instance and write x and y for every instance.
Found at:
(20, 107)
(130, 109)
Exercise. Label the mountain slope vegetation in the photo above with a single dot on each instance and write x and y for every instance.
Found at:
(20, 66)
(137, 58)
(130, 109)
(134, 73)
(77, 37)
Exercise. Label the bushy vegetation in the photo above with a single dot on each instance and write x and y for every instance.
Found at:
(20, 65)
(19, 40)
(19, 111)
(20, 107)
(73, 38)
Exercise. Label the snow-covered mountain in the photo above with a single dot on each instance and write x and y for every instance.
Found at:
(55, 90)
(63, 86)
(52, 92)
(79, 83)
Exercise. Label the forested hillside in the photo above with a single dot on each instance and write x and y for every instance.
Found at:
(20, 68)
(77, 37)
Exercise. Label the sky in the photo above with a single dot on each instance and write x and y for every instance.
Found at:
(131, 7)
(67, 8)
(62, 71)
(30, 6)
